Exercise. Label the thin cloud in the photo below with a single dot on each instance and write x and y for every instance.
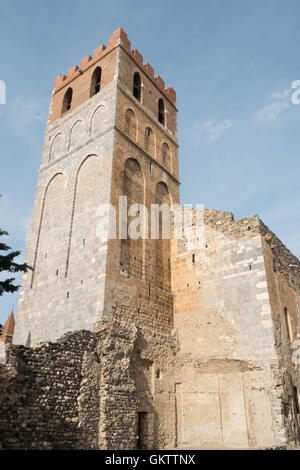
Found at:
(270, 112)
(281, 95)
(280, 101)
(212, 131)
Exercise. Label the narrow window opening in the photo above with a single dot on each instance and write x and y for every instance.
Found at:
(97, 86)
(137, 85)
(158, 374)
(250, 267)
(68, 295)
(83, 242)
(149, 140)
(161, 111)
(96, 81)
(193, 258)
(67, 101)
(57, 272)
(150, 167)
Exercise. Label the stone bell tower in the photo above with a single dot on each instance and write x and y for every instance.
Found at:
(112, 132)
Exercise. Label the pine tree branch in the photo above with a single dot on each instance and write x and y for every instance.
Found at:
(7, 264)
(4, 247)
(7, 286)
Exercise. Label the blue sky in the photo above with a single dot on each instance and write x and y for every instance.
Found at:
(232, 64)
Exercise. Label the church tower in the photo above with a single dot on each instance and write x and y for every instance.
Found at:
(112, 132)
(215, 367)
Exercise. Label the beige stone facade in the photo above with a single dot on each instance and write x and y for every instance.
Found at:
(240, 386)
(211, 327)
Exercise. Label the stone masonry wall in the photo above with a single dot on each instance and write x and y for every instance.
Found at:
(126, 387)
(65, 292)
(75, 272)
(79, 78)
(135, 295)
(283, 280)
(39, 391)
(233, 374)
(85, 391)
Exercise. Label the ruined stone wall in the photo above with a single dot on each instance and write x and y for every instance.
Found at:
(283, 280)
(231, 374)
(87, 391)
(73, 394)
(221, 294)
(2, 351)
(153, 367)
(126, 387)
(39, 391)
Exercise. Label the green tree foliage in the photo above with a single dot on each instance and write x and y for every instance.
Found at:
(9, 265)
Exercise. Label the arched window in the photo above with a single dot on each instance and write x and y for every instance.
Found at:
(149, 141)
(165, 155)
(96, 81)
(96, 121)
(67, 101)
(131, 257)
(130, 124)
(55, 148)
(137, 86)
(162, 243)
(161, 111)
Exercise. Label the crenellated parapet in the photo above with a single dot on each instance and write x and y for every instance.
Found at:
(119, 38)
